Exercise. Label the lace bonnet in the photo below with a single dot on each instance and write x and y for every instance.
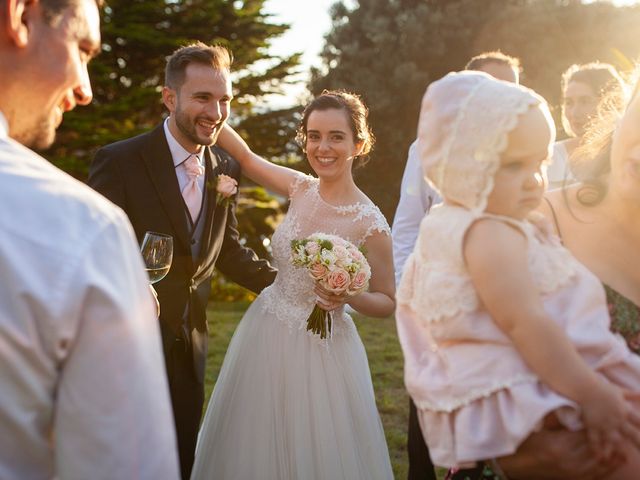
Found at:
(464, 125)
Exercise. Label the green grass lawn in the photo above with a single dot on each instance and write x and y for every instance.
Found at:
(385, 361)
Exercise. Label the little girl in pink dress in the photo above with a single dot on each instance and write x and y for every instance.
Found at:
(502, 329)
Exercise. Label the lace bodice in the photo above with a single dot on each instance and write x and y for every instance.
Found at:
(291, 296)
(437, 302)
(436, 282)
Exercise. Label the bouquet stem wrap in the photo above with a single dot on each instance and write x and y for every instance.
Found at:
(319, 322)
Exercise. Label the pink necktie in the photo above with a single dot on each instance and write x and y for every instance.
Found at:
(191, 193)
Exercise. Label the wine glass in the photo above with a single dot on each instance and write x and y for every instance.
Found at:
(157, 252)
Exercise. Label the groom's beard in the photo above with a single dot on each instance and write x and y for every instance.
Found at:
(188, 128)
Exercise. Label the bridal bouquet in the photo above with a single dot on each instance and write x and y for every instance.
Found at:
(337, 265)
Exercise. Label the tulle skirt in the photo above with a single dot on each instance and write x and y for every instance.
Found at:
(286, 406)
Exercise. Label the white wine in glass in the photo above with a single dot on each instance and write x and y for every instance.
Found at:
(157, 252)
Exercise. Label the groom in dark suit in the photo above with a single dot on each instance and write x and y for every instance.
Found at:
(167, 181)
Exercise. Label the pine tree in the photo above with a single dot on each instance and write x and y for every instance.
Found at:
(388, 51)
(137, 37)
(127, 78)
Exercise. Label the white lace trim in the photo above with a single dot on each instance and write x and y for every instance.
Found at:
(434, 292)
(491, 158)
(300, 180)
(451, 404)
(295, 313)
(436, 284)
(290, 298)
(361, 210)
(440, 171)
(379, 224)
(463, 130)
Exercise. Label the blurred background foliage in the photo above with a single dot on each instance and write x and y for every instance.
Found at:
(138, 36)
(387, 51)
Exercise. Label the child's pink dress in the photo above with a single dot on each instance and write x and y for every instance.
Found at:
(476, 397)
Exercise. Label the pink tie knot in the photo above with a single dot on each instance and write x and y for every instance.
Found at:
(193, 167)
(192, 193)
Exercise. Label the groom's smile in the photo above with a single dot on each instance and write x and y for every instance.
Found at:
(200, 106)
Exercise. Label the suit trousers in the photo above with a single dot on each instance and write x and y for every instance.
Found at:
(420, 466)
(187, 398)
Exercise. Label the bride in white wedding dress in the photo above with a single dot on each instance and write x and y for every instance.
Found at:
(287, 404)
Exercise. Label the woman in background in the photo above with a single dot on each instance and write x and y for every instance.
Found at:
(583, 86)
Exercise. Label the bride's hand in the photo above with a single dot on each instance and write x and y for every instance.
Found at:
(329, 301)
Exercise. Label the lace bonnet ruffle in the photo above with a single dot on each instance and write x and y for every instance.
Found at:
(464, 124)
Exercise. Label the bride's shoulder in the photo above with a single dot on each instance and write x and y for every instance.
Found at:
(372, 217)
(301, 183)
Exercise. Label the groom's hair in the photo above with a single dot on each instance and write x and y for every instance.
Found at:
(215, 56)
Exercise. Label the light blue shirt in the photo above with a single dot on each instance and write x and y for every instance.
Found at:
(416, 199)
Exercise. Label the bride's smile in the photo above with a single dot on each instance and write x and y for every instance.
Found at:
(330, 144)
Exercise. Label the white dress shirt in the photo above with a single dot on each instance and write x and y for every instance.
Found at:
(83, 393)
(559, 172)
(179, 154)
(416, 199)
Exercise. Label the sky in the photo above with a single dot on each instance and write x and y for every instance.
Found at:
(310, 21)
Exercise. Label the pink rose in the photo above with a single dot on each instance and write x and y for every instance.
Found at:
(312, 247)
(226, 186)
(337, 281)
(318, 271)
(340, 252)
(359, 282)
(356, 255)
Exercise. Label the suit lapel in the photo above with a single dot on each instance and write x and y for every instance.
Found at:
(160, 166)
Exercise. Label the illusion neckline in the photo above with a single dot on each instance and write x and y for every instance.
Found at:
(316, 188)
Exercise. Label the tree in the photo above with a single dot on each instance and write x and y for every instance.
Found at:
(388, 51)
(564, 33)
(127, 77)
(138, 36)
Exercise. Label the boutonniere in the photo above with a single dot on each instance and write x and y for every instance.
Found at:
(226, 187)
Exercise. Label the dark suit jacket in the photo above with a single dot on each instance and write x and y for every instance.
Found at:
(138, 175)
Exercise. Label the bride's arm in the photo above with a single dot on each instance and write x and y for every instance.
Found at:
(271, 176)
(379, 301)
